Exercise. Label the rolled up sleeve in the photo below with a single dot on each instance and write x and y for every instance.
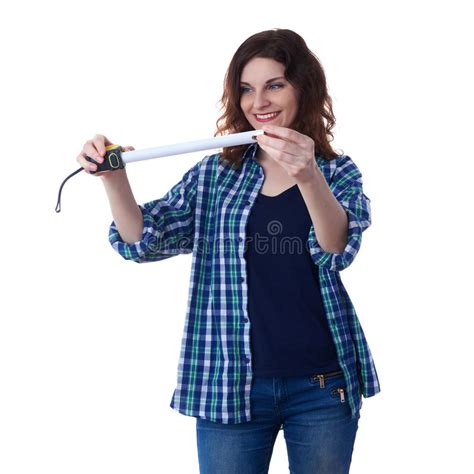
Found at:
(346, 185)
(168, 224)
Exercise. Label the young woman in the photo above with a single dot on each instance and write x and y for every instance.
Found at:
(271, 340)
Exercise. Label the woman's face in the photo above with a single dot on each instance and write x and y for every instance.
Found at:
(264, 90)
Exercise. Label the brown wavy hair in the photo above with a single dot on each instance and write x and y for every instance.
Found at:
(302, 69)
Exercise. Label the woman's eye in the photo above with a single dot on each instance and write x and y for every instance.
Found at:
(245, 89)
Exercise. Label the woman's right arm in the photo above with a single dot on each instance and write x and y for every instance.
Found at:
(125, 211)
(156, 230)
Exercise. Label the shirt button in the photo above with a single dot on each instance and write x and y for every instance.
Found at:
(240, 239)
(246, 320)
(248, 203)
(247, 360)
(242, 279)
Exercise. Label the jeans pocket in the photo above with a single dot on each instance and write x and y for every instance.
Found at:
(337, 388)
(324, 380)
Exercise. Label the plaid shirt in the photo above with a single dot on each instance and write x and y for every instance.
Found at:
(206, 214)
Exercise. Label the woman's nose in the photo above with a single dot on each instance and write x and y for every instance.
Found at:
(260, 100)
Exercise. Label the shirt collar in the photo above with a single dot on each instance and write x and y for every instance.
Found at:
(251, 151)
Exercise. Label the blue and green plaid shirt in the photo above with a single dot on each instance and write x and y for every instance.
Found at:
(206, 214)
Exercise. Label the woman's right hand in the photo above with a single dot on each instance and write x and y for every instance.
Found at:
(95, 149)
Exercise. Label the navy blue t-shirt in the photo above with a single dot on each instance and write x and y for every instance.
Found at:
(290, 335)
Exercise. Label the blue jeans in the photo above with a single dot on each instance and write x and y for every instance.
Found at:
(315, 418)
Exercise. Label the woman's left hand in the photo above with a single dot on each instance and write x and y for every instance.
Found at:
(291, 150)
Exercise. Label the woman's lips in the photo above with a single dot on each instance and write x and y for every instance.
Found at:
(268, 119)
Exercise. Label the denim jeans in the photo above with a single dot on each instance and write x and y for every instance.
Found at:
(315, 418)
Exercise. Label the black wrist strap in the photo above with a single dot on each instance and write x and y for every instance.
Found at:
(58, 205)
(112, 161)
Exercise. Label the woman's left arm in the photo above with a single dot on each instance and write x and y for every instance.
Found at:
(346, 186)
(339, 210)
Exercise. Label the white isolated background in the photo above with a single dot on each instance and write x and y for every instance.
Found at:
(89, 342)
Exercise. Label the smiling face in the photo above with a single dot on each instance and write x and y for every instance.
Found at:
(264, 90)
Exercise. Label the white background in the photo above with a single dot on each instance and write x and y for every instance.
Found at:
(89, 342)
